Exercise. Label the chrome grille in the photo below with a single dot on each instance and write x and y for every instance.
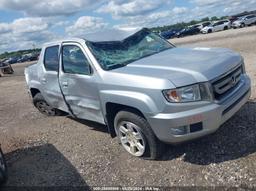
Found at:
(227, 82)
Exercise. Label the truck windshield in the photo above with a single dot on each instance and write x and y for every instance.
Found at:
(115, 54)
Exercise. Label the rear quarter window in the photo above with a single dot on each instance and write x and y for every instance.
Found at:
(51, 58)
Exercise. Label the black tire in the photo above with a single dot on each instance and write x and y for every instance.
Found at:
(44, 107)
(153, 147)
(3, 168)
(242, 25)
(225, 28)
(209, 31)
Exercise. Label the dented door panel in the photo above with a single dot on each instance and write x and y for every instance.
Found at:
(81, 92)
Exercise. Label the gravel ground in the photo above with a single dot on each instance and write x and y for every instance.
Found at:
(60, 151)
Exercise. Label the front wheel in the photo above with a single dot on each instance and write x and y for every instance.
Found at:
(136, 136)
(3, 168)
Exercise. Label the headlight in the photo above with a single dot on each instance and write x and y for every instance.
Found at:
(196, 92)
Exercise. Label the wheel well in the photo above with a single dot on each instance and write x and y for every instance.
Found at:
(34, 91)
(112, 109)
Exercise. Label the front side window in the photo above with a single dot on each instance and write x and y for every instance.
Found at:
(74, 60)
(111, 55)
(51, 58)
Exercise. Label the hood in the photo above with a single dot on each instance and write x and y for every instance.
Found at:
(237, 21)
(184, 66)
(207, 27)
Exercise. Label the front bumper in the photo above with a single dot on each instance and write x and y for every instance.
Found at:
(204, 31)
(211, 116)
(236, 25)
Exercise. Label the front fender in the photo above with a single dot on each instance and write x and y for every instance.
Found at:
(138, 100)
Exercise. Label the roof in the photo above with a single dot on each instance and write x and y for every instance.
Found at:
(53, 43)
(100, 36)
(111, 34)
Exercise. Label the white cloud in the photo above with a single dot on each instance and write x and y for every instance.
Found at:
(23, 33)
(208, 8)
(84, 25)
(177, 14)
(120, 9)
(179, 10)
(47, 8)
(4, 28)
(28, 25)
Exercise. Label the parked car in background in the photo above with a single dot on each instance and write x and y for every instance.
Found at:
(244, 21)
(34, 57)
(204, 24)
(217, 26)
(5, 68)
(3, 168)
(144, 89)
(24, 58)
(192, 30)
(12, 60)
(169, 34)
(28, 57)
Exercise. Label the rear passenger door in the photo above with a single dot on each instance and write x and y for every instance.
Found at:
(79, 83)
(49, 78)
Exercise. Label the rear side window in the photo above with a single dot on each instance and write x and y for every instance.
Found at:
(51, 58)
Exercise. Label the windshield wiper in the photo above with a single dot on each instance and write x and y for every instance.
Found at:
(114, 66)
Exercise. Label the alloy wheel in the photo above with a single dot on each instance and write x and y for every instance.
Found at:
(131, 138)
(43, 107)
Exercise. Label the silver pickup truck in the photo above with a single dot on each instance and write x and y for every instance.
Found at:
(143, 88)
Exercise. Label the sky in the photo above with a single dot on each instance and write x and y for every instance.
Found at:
(25, 24)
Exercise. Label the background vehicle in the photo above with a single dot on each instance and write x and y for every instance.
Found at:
(217, 26)
(24, 58)
(244, 21)
(5, 68)
(3, 168)
(188, 31)
(12, 60)
(33, 56)
(169, 34)
(144, 89)
(204, 24)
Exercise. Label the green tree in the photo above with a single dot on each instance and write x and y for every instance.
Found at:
(224, 17)
(205, 19)
(214, 18)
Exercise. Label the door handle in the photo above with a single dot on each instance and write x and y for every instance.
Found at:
(44, 80)
(65, 84)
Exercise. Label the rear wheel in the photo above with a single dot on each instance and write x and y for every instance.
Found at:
(136, 136)
(210, 31)
(43, 106)
(225, 28)
(3, 168)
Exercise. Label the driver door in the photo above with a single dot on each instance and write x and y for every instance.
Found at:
(79, 83)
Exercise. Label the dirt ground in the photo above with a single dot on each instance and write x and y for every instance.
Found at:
(60, 151)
